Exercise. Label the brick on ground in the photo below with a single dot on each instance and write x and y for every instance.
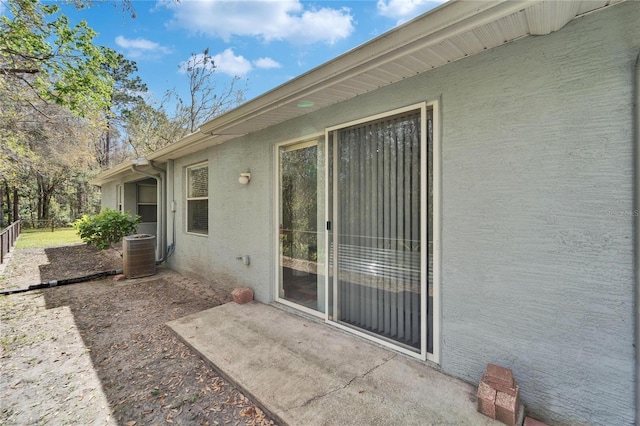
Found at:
(242, 295)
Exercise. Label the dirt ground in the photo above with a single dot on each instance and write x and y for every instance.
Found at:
(99, 352)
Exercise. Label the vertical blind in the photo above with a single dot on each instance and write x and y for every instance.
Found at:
(379, 227)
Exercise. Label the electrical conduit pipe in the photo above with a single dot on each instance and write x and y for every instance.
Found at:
(636, 214)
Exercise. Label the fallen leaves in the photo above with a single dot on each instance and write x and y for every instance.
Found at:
(248, 412)
(146, 373)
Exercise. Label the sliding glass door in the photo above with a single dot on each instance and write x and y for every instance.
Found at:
(301, 279)
(355, 228)
(378, 242)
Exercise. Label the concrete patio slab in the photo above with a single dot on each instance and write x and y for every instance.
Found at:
(307, 373)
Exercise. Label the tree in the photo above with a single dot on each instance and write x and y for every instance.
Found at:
(57, 63)
(149, 128)
(128, 93)
(205, 100)
(53, 87)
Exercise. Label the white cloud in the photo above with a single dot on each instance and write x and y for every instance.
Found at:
(228, 63)
(267, 20)
(266, 63)
(225, 62)
(140, 47)
(404, 10)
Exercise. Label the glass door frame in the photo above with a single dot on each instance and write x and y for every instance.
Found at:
(309, 140)
(332, 295)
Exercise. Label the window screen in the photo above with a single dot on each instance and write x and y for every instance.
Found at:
(148, 202)
(147, 194)
(198, 199)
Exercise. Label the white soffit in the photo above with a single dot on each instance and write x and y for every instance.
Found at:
(453, 31)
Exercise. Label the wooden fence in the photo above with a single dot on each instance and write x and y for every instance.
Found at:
(7, 238)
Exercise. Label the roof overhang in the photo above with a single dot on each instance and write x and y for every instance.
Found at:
(453, 31)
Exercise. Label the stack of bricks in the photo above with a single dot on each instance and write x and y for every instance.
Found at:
(499, 395)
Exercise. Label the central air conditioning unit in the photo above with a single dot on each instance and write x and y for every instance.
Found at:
(139, 255)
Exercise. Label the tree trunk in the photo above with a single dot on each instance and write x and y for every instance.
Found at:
(107, 147)
(2, 225)
(45, 191)
(40, 196)
(16, 203)
(80, 195)
(7, 194)
(46, 203)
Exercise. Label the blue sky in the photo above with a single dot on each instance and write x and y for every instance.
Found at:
(265, 42)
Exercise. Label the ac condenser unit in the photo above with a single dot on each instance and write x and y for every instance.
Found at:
(139, 255)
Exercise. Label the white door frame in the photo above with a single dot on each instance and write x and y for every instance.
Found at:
(423, 354)
(309, 140)
(434, 106)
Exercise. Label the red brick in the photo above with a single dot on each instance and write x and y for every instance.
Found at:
(507, 407)
(242, 295)
(499, 385)
(486, 400)
(528, 421)
(498, 374)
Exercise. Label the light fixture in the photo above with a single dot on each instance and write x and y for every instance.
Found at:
(306, 104)
(244, 178)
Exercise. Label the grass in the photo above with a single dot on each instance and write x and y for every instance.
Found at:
(36, 238)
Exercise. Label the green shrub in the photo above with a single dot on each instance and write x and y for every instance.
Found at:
(108, 226)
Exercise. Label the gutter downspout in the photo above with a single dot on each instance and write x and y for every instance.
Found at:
(158, 178)
(636, 215)
(162, 203)
(170, 225)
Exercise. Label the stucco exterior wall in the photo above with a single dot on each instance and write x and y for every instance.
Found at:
(537, 191)
(537, 232)
(108, 195)
(240, 218)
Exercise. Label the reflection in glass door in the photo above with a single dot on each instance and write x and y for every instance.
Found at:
(300, 278)
(379, 238)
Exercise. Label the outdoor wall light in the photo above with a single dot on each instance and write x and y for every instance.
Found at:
(244, 178)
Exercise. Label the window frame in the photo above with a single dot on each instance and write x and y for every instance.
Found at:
(187, 199)
(120, 198)
(315, 139)
(434, 107)
(139, 203)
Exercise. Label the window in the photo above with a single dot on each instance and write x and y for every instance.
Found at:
(119, 198)
(148, 202)
(198, 199)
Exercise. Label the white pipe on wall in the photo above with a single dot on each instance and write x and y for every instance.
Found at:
(636, 215)
(162, 204)
(170, 225)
